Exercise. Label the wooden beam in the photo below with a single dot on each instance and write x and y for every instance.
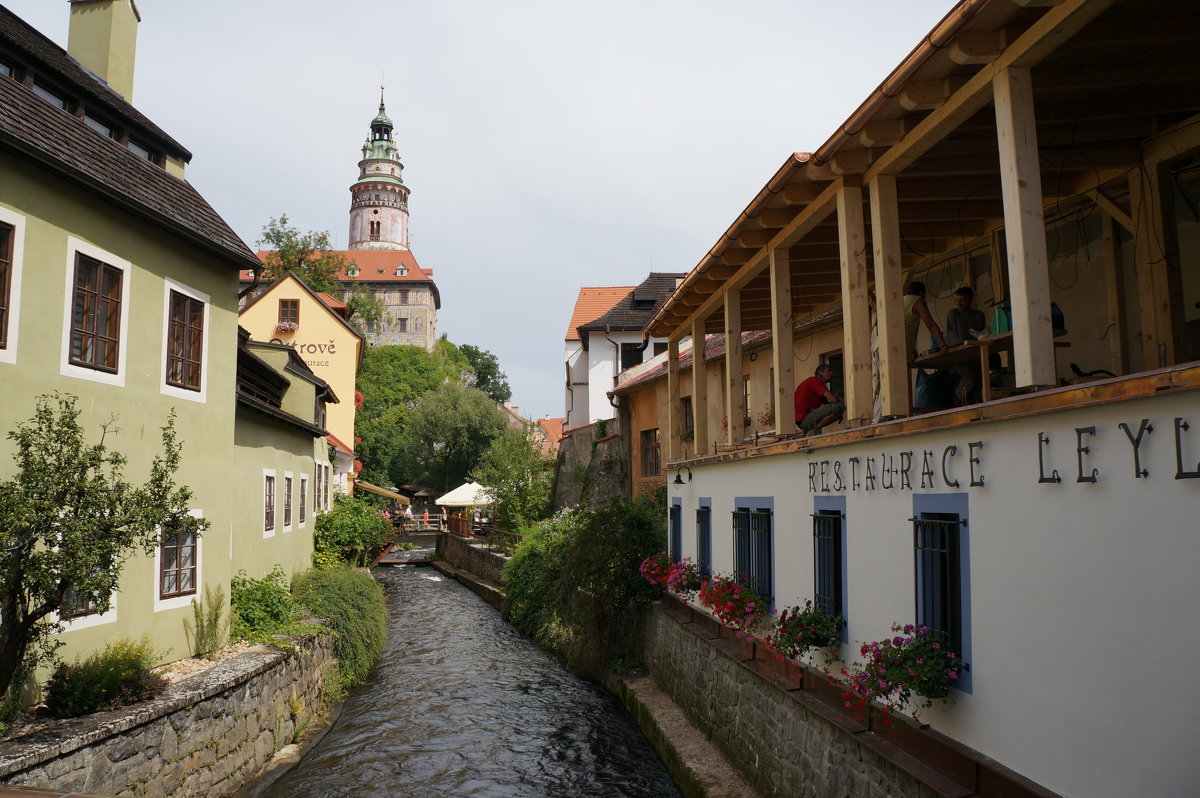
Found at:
(925, 95)
(734, 412)
(856, 323)
(1150, 265)
(884, 132)
(700, 412)
(977, 46)
(850, 162)
(736, 256)
(674, 424)
(1110, 253)
(1039, 40)
(753, 239)
(783, 356)
(1114, 211)
(800, 193)
(1025, 230)
(889, 300)
(775, 217)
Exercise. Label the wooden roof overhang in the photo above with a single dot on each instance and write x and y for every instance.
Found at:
(1107, 75)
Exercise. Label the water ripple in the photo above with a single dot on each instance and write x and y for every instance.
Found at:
(461, 704)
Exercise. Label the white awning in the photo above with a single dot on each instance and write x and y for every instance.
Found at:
(472, 494)
(367, 486)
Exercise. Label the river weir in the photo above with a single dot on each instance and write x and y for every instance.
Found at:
(462, 704)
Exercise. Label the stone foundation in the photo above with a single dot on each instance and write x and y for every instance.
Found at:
(471, 556)
(203, 738)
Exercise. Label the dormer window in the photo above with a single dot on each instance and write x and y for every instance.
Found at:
(402, 271)
(49, 96)
(352, 271)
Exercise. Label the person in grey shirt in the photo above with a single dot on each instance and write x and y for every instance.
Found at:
(962, 322)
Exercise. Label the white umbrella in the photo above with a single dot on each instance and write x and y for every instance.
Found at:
(471, 494)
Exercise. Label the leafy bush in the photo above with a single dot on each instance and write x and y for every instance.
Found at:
(354, 530)
(207, 631)
(354, 604)
(118, 676)
(262, 607)
(574, 586)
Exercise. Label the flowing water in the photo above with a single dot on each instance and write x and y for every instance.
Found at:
(461, 704)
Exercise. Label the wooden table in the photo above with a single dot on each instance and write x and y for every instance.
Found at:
(970, 350)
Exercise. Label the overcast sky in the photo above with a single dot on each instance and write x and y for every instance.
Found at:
(548, 144)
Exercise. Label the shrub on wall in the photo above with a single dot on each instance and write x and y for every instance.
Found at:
(354, 604)
(354, 530)
(262, 607)
(574, 585)
(115, 677)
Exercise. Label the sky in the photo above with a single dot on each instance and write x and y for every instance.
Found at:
(548, 144)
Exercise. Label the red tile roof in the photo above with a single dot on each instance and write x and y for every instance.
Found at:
(332, 302)
(553, 428)
(375, 265)
(337, 444)
(593, 303)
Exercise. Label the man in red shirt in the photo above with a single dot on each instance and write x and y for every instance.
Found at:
(816, 406)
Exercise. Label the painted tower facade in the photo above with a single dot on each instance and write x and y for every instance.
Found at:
(379, 198)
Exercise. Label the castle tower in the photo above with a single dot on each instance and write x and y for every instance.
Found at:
(379, 198)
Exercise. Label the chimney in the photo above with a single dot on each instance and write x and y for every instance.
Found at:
(103, 38)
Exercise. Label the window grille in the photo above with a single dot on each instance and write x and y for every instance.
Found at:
(675, 544)
(827, 561)
(939, 590)
(650, 461)
(704, 540)
(753, 556)
(177, 563)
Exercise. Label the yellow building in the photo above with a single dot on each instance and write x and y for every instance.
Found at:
(291, 313)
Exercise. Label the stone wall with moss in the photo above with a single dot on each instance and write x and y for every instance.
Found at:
(204, 736)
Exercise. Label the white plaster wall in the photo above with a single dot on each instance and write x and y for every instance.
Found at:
(575, 398)
(1084, 598)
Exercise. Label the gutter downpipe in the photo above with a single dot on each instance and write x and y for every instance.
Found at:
(933, 42)
(616, 354)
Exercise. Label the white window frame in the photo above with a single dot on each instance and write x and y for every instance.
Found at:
(262, 495)
(166, 388)
(289, 495)
(302, 519)
(179, 602)
(67, 368)
(9, 354)
(88, 621)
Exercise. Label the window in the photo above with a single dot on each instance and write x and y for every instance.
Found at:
(177, 563)
(7, 234)
(303, 499)
(6, 70)
(685, 413)
(829, 546)
(403, 296)
(650, 462)
(940, 565)
(185, 341)
(287, 502)
(631, 355)
(142, 151)
(77, 605)
(675, 543)
(289, 312)
(269, 504)
(49, 96)
(704, 539)
(659, 347)
(325, 493)
(374, 230)
(96, 315)
(401, 325)
(103, 128)
(753, 556)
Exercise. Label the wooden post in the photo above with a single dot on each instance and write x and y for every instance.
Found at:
(1025, 228)
(1110, 251)
(699, 388)
(889, 299)
(1154, 301)
(856, 321)
(674, 425)
(734, 412)
(782, 341)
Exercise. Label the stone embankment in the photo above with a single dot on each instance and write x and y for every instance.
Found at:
(202, 738)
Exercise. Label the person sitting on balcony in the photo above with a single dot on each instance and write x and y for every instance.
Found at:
(816, 406)
(963, 323)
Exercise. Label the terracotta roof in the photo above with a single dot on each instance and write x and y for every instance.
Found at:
(332, 302)
(376, 266)
(634, 310)
(553, 428)
(54, 139)
(593, 303)
(337, 444)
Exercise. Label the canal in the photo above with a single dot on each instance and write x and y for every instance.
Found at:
(461, 704)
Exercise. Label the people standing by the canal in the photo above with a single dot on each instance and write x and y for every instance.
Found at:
(816, 406)
(965, 323)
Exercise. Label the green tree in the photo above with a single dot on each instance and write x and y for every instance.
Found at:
(447, 432)
(391, 380)
(68, 521)
(311, 256)
(518, 476)
(488, 376)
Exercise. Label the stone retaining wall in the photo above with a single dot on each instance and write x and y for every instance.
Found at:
(784, 746)
(203, 738)
(473, 557)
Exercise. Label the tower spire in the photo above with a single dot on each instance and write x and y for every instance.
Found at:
(379, 198)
